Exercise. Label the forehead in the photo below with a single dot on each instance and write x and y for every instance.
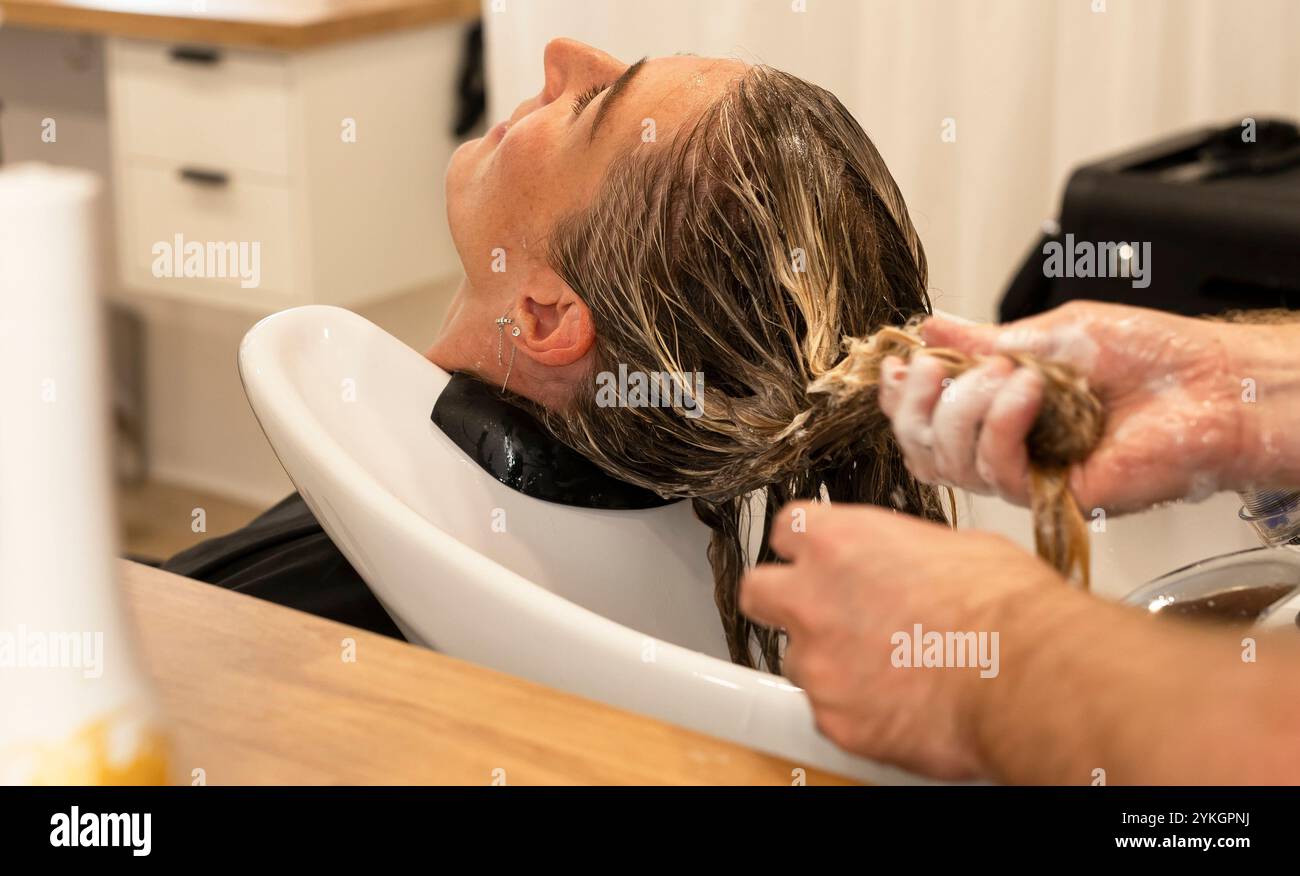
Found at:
(666, 95)
(696, 72)
(680, 85)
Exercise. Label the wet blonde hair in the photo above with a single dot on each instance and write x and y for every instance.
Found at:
(748, 247)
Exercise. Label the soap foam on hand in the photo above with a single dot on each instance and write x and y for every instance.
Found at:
(1068, 426)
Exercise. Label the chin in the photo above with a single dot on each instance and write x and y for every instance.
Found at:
(454, 189)
(453, 179)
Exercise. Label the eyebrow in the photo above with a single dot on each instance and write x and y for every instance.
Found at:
(615, 90)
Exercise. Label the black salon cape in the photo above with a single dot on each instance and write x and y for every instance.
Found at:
(285, 557)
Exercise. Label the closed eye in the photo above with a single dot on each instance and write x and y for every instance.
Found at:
(586, 97)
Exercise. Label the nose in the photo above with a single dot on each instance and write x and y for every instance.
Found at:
(571, 66)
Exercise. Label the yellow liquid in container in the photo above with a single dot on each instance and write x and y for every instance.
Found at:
(93, 756)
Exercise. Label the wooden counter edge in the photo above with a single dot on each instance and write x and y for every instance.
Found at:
(245, 33)
(143, 584)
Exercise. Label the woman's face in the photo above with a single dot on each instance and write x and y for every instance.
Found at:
(507, 189)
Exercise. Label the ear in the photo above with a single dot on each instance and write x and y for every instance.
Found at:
(555, 324)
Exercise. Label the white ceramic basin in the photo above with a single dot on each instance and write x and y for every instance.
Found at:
(612, 605)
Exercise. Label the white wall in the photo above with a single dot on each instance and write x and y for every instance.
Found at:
(1035, 88)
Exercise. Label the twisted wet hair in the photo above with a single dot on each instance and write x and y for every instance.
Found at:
(746, 248)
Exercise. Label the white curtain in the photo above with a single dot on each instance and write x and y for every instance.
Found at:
(1034, 87)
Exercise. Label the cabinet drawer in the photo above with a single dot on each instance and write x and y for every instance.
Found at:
(216, 107)
(156, 203)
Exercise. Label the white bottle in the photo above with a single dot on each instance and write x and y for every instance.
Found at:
(75, 707)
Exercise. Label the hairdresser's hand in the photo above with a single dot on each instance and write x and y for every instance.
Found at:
(860, 579)
(1171, 390)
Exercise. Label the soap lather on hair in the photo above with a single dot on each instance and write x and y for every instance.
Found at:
(1068, 427)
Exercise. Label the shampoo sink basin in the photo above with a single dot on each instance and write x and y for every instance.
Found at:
(616, 606)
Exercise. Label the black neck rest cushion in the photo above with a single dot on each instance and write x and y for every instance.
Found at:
(509, 443)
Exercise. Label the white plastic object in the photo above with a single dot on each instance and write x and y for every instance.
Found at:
(75, 707)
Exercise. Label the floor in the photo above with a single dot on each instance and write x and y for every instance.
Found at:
(159, 519)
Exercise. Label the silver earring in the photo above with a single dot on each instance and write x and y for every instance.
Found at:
(501, 323)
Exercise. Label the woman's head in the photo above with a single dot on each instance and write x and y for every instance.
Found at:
(756, 231)
(507, 191)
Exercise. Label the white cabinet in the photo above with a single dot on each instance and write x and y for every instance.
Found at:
(328, 160)
(159, 211)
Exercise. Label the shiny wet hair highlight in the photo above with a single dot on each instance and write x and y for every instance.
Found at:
(747, 247)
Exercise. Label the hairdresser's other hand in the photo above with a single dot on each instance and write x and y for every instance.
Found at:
(1170, 387)
(859, 580)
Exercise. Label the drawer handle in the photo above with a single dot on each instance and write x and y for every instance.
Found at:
(214, 178)
(195, 55)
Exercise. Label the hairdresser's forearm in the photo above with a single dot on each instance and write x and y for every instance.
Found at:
(1088, 686)
(1265, 360)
